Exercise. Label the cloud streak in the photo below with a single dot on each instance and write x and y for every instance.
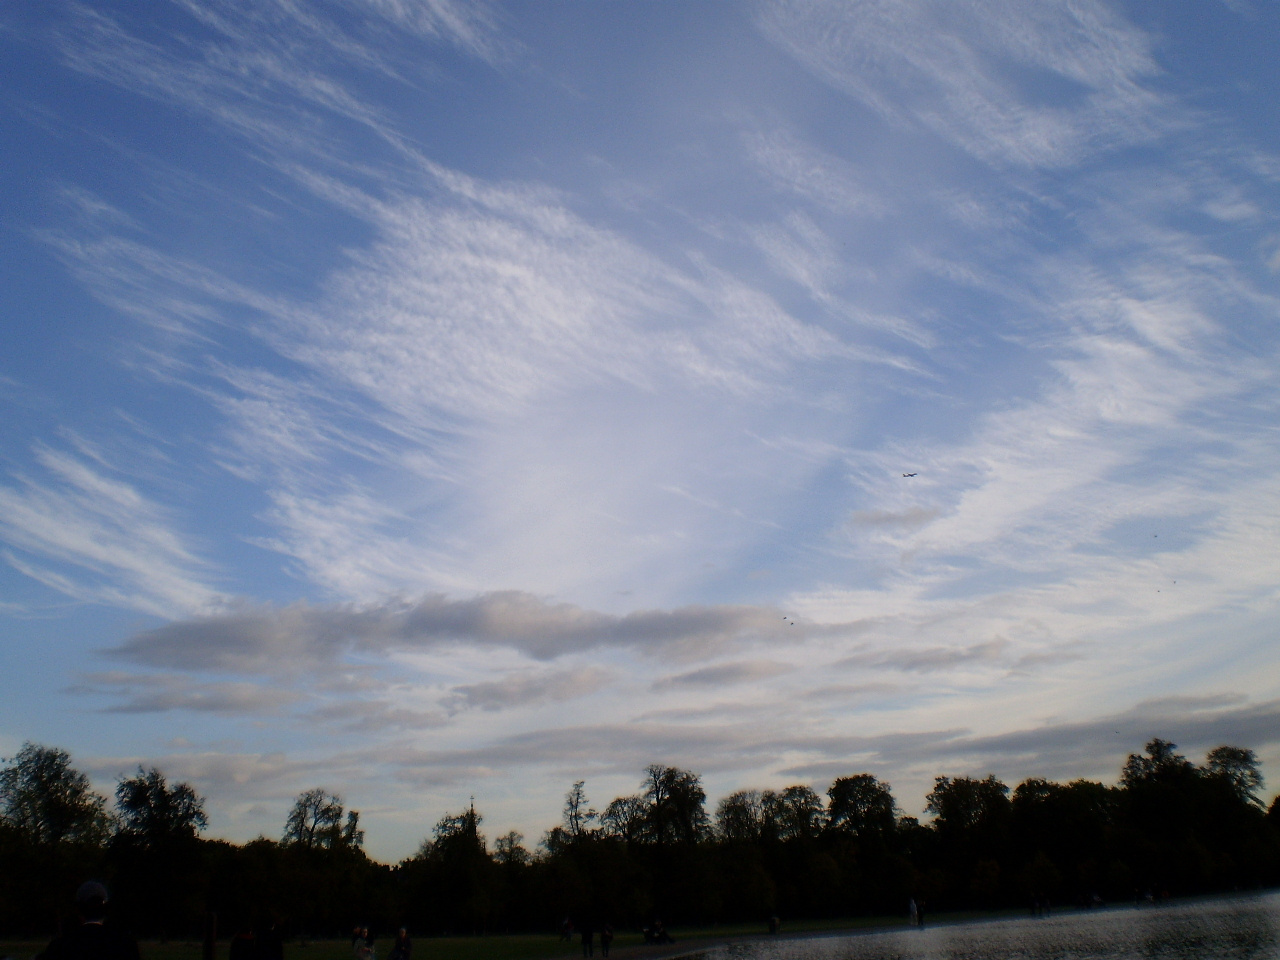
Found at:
(268, 640)
(124, 548)
(955, 69)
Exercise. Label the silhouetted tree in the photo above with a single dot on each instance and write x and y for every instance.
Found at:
(797, 811)
(1169, 826)
(462, 871)
(155, 813)
(1159, 762)
(626, 818)
(1238, 767)
(972, 824)
(316, 820)
(963, 804)
(860, 805)
(155, 853)
(48, 801)
(52, 829)
(676, 805)
(509, 849)
(1063, 834)
(740, 817)
(578, 814)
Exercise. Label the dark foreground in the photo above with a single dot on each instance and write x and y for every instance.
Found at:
(1243, 927)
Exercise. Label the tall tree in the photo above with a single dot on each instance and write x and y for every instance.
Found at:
(1239, 767)
(316, 820)
(740, 817)
(578, 814)
(626, 818)
(1160, 762)
(48, 801)
(962, 804)
(860, 805)
(155, 813)
(459, 831)
(797, 812)
(509, 849)
(677, 804)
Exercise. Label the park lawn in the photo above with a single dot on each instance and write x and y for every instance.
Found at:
(514, 947)
(526, 946)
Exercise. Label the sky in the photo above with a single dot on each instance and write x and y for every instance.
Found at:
(428, 400)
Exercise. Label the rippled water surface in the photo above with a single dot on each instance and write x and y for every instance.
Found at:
(1237, 928)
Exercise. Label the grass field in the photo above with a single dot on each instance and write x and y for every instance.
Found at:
(529, 946)
(514, 947)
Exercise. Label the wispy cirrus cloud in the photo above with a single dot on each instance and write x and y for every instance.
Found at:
(929, 659)
(573, 396)
(1012, 83)
(246, 67)
(111, 543)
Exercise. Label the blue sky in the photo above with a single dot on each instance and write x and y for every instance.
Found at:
(428, 399)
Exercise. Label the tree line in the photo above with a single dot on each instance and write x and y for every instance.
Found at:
(1168, 827)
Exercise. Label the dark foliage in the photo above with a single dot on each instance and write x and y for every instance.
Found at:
(1169, 827)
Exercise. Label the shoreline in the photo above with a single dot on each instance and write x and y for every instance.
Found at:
(628, 947)
(697, 945)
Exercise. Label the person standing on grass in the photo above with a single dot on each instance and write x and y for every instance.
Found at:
(402, 949)
(606, 938)
(267, 943)
(243, 945)
(94, 938)
(362, 944)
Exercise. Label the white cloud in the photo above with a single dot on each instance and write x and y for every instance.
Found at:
(570, 430)
(123, 549)
(1012, 82)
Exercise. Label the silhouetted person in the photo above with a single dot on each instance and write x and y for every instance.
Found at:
(243, 945)
(588, 940)
(93, 938)
(362, 944)
(606, 938)
(402, 949)
(267, 943)
(920, 905)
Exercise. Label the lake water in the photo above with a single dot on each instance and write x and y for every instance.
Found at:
(1238, 928)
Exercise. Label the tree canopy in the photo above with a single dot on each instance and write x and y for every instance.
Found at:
(1169, 825)
(50, 802)
(154, 812)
